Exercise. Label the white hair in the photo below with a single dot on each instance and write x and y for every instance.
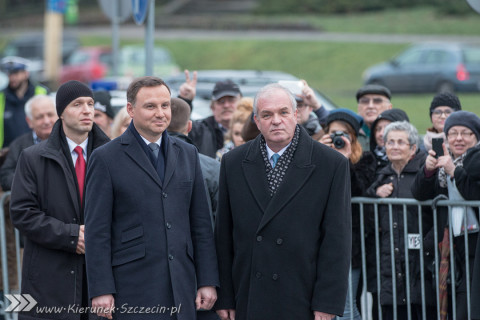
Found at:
(34, 99)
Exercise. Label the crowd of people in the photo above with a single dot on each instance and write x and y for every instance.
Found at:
(245, 214)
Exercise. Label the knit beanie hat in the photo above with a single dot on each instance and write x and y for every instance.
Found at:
(70, 91)
(445, 99)
(347, 115)
(463, 118)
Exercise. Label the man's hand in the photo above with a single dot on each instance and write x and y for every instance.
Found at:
(206, 297)
(226, 314)
(322, 316)
(188, 89)
(103, 306)
(309, 97)
(81, 240)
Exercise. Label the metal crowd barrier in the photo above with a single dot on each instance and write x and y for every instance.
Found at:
(420, 205)
(4, 302)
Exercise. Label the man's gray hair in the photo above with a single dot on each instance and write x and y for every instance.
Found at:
(34, 99)
(268, 90)
(405, 127)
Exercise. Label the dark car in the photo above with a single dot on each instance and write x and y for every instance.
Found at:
(430, 67)
(250, 81)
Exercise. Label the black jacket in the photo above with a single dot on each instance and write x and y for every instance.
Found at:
(401, 189)
(45, 207)
(8, 167)
(207, 135)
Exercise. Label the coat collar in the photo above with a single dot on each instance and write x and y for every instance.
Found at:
(296, 176)
(136, 153)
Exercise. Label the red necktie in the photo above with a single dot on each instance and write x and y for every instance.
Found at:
(80, 170)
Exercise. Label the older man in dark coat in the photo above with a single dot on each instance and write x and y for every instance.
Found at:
(283, 228)
(47, 207)
(150, 247)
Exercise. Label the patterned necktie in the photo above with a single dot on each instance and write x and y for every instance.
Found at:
(80, 170)
(275, 157)
(155, 147)
(443, 274)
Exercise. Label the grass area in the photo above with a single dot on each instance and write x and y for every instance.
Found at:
(333, 68)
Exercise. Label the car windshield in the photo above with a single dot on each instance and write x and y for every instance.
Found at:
(472, 55)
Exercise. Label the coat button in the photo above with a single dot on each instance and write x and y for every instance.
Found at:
(259, 238)
(74, 219)
(397, 250)
(399, 275)
(258, 275)
(395, 225)
(427, 253)
(170, 257)
(164, 194)
(275, 276)
(279, 241)
(72, 272)
(169, 226)
(72, 242)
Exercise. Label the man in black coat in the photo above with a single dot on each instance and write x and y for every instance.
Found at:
(41, 116)
(149, 235)
(47, 207)
(208, 134)
(283, 228)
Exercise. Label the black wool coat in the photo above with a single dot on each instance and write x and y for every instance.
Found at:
(45, 207)
(284, 256)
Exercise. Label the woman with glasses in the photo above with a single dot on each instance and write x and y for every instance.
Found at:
(445, 175)
(394, 181)
(442, 105)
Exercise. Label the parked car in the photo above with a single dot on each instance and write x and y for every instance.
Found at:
(250, 81)
(31, 46)
(430, 67)
(132, 62)
(87, 64)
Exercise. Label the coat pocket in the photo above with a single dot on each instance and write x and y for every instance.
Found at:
(131, 234)
(128, 255)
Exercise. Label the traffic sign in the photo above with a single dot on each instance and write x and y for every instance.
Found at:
(475, 4)
(124, 8)
(140, 8)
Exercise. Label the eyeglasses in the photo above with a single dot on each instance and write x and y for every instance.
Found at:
(438, 113)
(464, 134)
(301, 105)
(400, 143)
(366, 100)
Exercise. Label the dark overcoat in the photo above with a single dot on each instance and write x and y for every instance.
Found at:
(148, 242)
(45, 207)
(284, 256)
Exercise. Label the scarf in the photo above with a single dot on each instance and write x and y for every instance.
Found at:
(276, 175)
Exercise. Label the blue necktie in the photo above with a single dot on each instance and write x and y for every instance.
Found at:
(154, 148)
(275, 157)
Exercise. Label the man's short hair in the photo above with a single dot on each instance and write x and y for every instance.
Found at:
(140, 83)
(180, 115)
(32, 100)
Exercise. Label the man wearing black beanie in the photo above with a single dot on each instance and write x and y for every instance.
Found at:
(47, 206)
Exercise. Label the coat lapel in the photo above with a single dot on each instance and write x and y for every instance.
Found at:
(296, 176)
(136, 153)
(59, 157)
(171, 161)
(254, 171)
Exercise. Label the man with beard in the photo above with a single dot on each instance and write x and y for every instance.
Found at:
(13, 99)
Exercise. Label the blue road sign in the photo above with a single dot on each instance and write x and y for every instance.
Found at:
(59, 6)
(140, 8)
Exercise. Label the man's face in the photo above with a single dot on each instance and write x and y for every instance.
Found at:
(275, 119)
(103, 121)
(303, 112)
(16, 79)
(223, 109)
(152, 113)
(77, 117)
(371, 105)
(44, 116)
(379, 129)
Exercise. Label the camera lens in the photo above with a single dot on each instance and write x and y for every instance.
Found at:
(338, 142)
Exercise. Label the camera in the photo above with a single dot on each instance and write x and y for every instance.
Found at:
(337, 140)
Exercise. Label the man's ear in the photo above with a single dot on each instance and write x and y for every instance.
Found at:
(29, 122)
(189, 126)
